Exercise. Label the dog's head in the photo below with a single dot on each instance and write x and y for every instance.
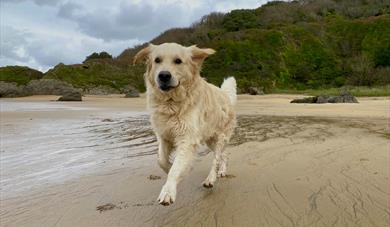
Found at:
(171, 65)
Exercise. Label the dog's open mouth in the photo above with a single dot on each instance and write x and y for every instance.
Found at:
(166, 88)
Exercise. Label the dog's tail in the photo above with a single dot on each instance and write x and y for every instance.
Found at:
(229, 86)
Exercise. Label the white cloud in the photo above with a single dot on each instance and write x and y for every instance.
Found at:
(38, 2)
(44, 49)
(142, 20)
(42, 33)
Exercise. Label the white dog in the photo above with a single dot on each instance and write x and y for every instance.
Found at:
(186, 111)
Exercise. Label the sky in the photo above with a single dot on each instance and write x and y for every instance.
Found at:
(42, 33)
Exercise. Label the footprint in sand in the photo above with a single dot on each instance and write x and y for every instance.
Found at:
(105, 207)
(111, 206)
(154, 177)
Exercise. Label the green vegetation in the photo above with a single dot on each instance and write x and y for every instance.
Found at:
(101, 55)
(19, 74)
(300, 46)
(354, 90)
(95, 73)
(296, 45)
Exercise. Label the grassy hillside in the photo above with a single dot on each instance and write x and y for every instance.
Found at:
(96, 73)
(19, 74)
(281, 46)
(294, 45)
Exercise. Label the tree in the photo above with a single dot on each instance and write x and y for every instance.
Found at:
(101, 55)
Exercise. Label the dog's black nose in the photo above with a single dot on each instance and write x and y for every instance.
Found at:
(164, 76)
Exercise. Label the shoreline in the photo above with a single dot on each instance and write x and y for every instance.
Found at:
(275, 104)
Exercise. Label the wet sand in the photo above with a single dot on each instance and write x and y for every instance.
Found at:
(94, 164)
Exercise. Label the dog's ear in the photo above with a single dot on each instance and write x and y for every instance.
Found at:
(198, 55)
(142, 54)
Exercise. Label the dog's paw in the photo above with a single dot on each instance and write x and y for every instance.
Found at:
(167, 195)
(210, 180)
(208, 184)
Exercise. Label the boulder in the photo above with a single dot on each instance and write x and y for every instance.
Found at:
(10, 90)
(37, 87)
(70, 95)
(305, 100)
(345, 97)
(255, 91)
(322, 99)
(131, 92)
(48, 87)
(348, 97)
(335, 99)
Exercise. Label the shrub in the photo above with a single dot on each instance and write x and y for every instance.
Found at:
(19, 74)
(239, 20)
(101, 55)
(362, 72)
(376, 43)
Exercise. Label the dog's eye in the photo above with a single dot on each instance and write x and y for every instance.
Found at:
(157, 60)
(178, 61)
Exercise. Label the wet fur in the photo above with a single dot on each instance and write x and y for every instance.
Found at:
(192, 114)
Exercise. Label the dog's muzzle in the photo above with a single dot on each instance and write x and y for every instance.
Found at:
(165, 81)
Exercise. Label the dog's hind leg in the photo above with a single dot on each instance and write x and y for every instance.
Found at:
(218, 168)
(164, 149)
(222, 167)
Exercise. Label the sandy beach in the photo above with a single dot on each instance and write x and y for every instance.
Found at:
(93, 163)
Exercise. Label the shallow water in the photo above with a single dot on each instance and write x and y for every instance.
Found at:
(44, 152)
(9, 106)
(47, 151)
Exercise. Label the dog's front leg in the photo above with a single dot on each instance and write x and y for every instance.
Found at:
(164, 149)
(182, 162)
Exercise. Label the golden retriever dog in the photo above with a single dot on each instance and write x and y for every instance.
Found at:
(186, 111)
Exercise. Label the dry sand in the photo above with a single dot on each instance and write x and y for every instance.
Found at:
(290, 165)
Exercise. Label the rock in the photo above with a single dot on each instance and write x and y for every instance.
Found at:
(48, 87)
(335, 99)
(305, 100)
(348, 97)
(70, 96)
(130, 92)
(322, 99)
(10, 90)
(36, 87)
(255, 91)
(345, 97)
